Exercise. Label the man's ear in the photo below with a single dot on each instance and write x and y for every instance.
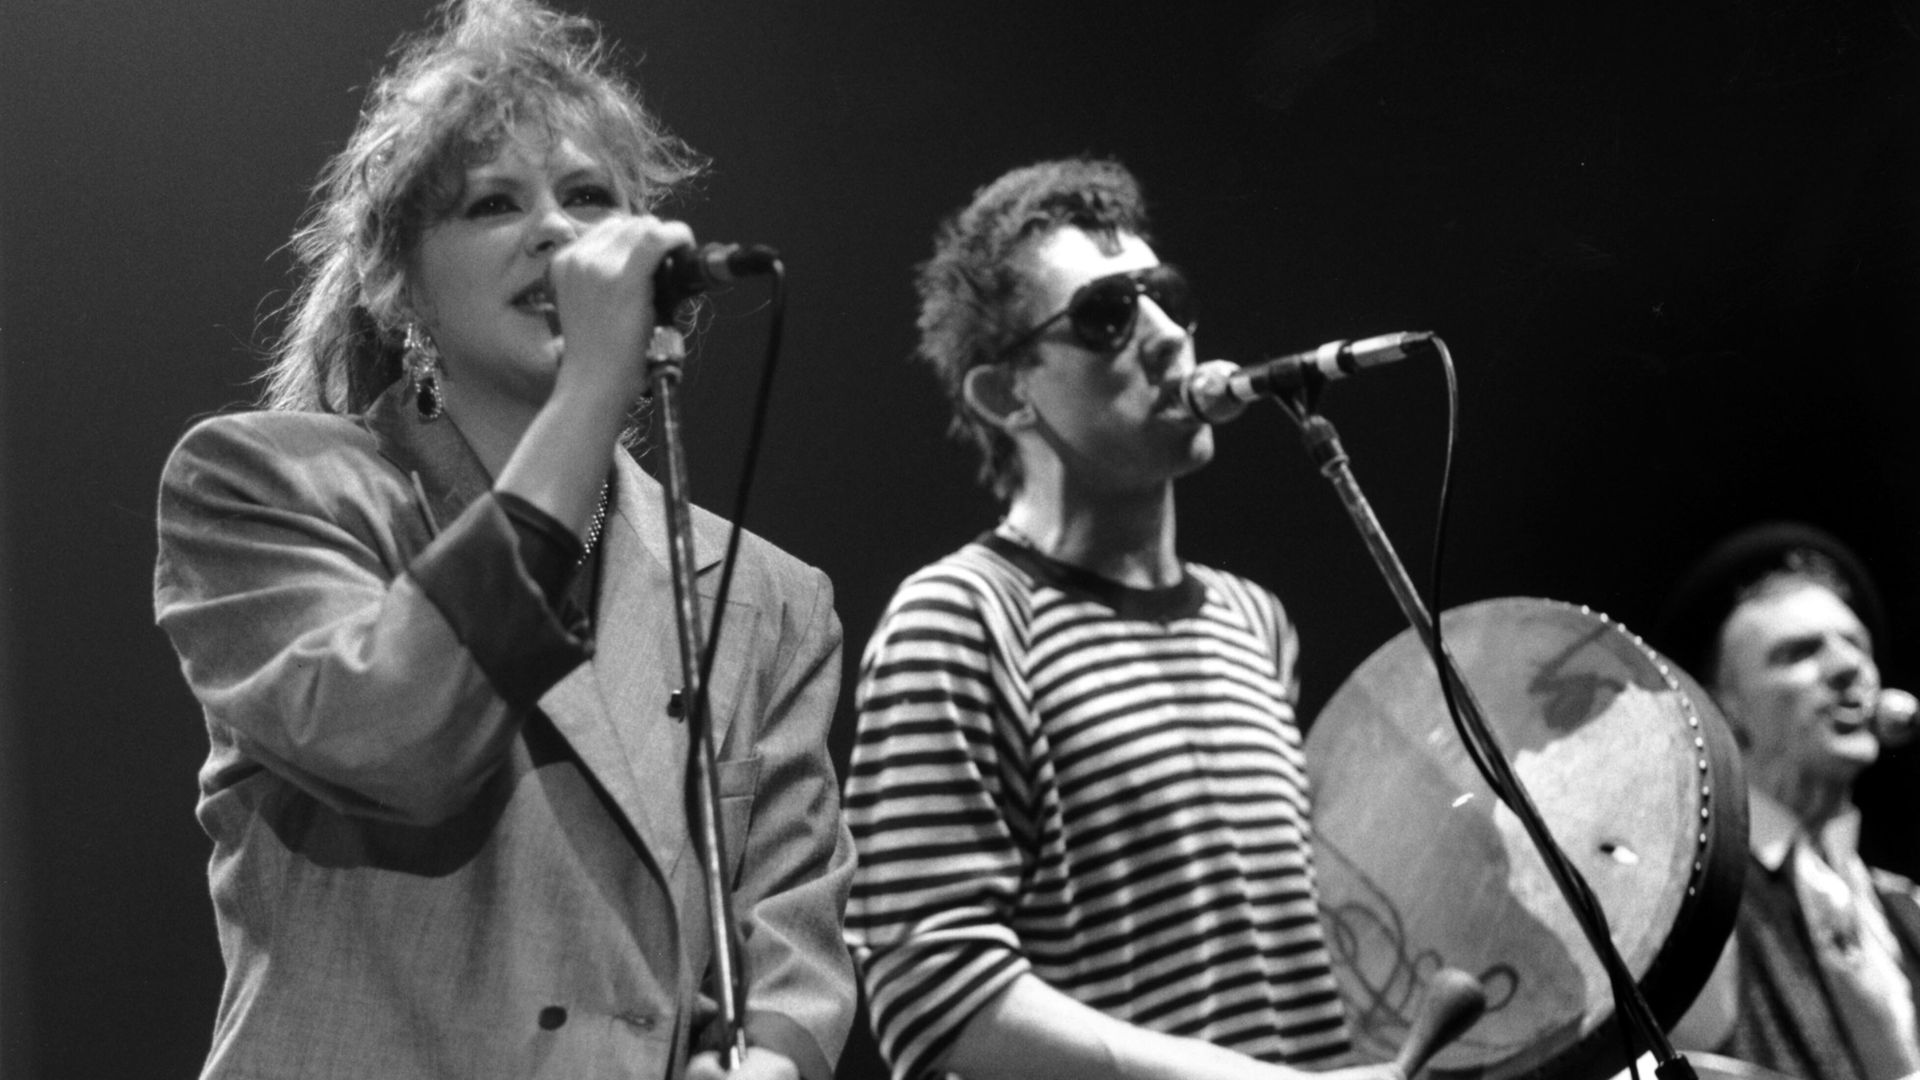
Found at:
(994, 393)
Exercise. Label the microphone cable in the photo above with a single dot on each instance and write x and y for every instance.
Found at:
(1629, 1004)
(749, 464)
(1636, 1019)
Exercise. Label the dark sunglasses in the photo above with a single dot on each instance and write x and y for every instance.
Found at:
(1103, 311)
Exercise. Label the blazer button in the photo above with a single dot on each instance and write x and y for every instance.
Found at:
(552, 1017)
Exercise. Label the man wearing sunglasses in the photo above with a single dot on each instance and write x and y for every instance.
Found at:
(1077, 793)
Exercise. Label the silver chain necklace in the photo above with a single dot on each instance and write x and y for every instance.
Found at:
(594, 526)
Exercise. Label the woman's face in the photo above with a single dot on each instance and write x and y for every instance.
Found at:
(479, 279)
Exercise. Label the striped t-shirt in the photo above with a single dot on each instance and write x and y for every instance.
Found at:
(1099, 784)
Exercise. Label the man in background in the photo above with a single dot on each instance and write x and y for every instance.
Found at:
(1779, 623)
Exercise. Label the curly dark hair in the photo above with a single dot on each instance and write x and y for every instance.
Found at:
(452, 96)
(971, 291)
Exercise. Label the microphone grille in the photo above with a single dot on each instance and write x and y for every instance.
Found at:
(1208, 392)
(1894, 713)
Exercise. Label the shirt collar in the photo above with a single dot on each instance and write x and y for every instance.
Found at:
(1772, 829)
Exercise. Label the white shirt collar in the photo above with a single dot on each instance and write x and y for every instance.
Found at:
(1772, 829)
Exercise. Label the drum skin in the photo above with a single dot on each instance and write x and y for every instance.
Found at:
(1419, 867)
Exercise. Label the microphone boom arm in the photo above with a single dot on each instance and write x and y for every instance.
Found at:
(1323, 445)
(666, 355)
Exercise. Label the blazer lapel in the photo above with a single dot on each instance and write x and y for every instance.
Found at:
(613, 709)
(433, 454)
(636, 666)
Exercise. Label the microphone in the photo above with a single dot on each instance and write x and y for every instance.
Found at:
(689, 271)
(1894, 712)
(1219, 390)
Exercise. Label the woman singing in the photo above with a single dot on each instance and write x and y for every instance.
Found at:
(423, 597)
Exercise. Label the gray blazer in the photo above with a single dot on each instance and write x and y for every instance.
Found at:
(449, 826)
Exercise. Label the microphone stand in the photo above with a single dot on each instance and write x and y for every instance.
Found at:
(1322, 443)
(666, 354)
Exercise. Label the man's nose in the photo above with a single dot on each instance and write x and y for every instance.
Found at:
(1163, 342)
(1848, 664)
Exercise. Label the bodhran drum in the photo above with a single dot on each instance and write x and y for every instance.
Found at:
(1420, 867)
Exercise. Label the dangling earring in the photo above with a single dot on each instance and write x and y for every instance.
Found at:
(422, 362)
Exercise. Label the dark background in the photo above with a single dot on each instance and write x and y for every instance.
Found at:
(1671, 244)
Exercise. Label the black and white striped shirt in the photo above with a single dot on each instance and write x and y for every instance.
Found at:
(1099, 784)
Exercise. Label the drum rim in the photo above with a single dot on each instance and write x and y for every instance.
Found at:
(1685, 961)
(1704, 917)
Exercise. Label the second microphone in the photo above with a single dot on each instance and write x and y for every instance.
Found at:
(1220, 390)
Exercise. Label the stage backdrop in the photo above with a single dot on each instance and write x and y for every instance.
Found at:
(1673, 248)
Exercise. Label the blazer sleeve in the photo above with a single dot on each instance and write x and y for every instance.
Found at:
(329, 635)
(798, 856)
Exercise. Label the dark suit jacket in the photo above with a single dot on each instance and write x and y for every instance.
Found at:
(450, 835)
(1787, 1019)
